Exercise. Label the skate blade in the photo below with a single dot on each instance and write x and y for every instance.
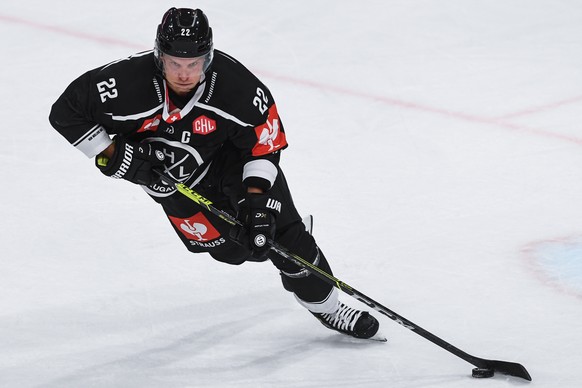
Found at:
(378, 337)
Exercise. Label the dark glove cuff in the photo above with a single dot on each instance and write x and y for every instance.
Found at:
(119, 162)
(132, 161)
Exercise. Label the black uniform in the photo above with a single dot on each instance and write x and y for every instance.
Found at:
(224, 136)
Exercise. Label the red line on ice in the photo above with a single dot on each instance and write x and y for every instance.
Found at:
(69, 32)
(498, 122)
(542, 108)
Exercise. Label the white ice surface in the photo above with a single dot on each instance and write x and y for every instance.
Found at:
(437, 143)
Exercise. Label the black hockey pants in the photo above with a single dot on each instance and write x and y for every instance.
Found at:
(202, 231)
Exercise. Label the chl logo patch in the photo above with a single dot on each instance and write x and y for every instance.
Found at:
(203, 125)
(196, 228)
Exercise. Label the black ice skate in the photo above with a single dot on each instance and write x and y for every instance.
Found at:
(355, 323)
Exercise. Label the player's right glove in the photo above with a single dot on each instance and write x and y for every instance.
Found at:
(132, 161)
(259, 214)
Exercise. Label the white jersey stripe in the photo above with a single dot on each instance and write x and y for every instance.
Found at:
(222, 113)
(136, 115)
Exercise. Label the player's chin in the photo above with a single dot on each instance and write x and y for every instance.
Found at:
(182, 88)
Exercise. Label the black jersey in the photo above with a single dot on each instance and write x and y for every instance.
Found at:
(129, 97)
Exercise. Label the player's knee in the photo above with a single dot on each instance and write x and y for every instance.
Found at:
(304, 284)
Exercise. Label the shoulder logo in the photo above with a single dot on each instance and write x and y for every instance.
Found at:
(270, 136)
(203, 125)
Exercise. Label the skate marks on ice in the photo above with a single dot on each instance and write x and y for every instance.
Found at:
(218, 343)
(155, 338)
(129, 338)
(214, 356)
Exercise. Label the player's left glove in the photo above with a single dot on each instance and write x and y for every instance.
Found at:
(259, 213)
(133, 161)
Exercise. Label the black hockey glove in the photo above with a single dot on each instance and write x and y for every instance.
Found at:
(259, 213)
(132, 161)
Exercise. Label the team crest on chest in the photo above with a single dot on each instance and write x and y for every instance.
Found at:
(203, 125)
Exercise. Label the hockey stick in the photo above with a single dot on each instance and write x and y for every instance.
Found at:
(485, 368)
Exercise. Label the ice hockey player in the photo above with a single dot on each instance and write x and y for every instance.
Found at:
(204, 119)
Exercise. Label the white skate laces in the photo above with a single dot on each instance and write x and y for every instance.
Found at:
(347, 320)
(344, 318)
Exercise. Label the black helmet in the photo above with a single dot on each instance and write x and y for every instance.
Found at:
(184, 33)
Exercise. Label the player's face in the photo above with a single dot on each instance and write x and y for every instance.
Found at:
(182, 74)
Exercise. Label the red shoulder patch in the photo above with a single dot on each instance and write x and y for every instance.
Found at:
(270, 137)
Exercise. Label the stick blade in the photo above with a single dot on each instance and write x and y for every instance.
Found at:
(508, 368)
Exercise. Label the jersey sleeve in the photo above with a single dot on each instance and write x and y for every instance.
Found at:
(261, 167)
(72, 116)
(87, 112)
(262, 139)
(256, 129)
